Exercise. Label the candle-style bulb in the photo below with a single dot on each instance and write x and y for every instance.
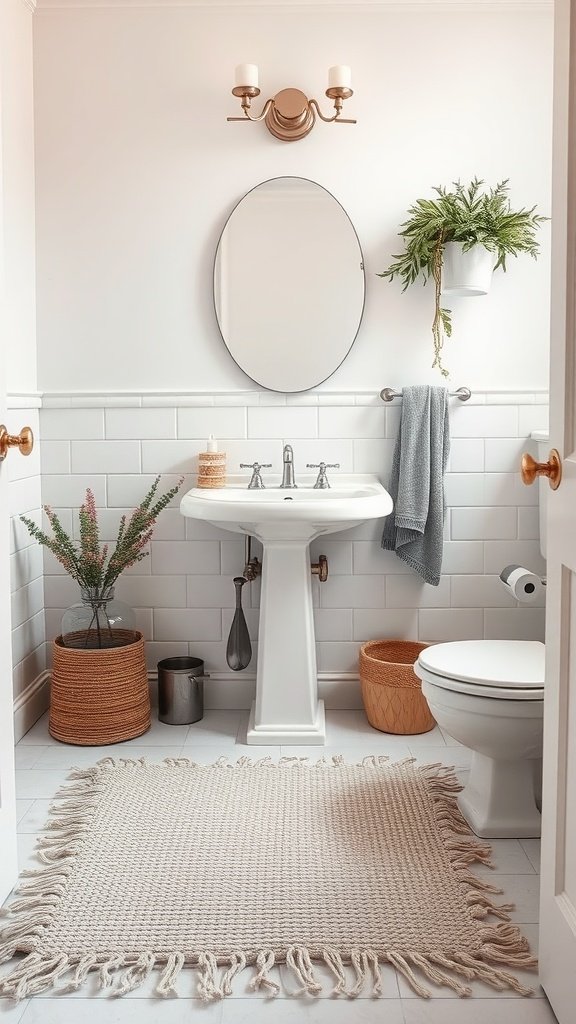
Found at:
(339, 77)
(247, 75)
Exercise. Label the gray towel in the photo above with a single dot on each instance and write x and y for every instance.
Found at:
(415, 527)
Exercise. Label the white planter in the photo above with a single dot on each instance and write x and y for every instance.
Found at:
(467, 273)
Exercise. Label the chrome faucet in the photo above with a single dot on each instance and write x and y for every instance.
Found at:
(256, 482)
(288, 471)
(322, 480)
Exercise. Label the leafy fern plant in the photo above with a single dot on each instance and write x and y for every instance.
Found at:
(467, 215)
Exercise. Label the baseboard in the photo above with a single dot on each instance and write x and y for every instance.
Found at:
(223, 691)
(230, 691)
(31, 704)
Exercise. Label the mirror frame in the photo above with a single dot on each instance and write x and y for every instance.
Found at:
(298, 177)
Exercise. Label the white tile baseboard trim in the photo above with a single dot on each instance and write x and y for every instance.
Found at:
(31, 704)
(226, 691)
(223, 397)
(28, 400)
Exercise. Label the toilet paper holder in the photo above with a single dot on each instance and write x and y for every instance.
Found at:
(523, 585)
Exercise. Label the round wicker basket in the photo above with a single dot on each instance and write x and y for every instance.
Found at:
(391, 690)
(99, 696)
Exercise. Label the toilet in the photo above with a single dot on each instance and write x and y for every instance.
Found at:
(489, 695)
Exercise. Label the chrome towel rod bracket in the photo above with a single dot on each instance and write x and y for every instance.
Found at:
(387, 394)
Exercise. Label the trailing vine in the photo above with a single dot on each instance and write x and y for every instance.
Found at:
(441, 325)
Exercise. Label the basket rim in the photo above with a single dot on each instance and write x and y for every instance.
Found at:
(101, 652)
(371, 644)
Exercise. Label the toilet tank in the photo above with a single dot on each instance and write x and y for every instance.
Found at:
(542, 441)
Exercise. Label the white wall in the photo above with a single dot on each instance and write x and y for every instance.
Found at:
(137, 170)
(26, 568)
(18, 186)
(19, 339)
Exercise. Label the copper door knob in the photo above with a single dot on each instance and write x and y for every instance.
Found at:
(530, 469)
(24, 441)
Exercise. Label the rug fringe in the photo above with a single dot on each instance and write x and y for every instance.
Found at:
(237, 965)
(37, 897)
(472, 968)
(334, 962)
(36, 973)
(106, 971)
(403, 967)
(298, 959)
(208, 988)
(333, 761)
(367, 967)
(264, 964)
(468, 851)
(136, 974)
(167, 984)
(87, 964)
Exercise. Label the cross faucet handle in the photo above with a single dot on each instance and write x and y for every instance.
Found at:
(322, 480)
(256, 482)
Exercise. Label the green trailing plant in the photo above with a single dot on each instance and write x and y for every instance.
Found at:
(472, 217)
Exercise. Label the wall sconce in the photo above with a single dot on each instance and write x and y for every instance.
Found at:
(290, 115)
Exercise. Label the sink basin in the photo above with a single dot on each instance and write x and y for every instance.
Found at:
(297, 513)
(287, 709)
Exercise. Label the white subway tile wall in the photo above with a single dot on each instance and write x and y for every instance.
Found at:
(184, 593)
(26, 565)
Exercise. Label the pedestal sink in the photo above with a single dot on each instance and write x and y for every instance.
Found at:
(287, 709)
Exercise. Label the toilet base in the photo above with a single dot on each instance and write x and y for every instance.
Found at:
(498, 801)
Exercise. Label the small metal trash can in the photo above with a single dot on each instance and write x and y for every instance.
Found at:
(181, 690)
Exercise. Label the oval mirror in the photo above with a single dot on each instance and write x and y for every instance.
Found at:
(289, 284)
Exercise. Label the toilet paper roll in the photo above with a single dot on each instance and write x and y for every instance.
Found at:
(524, 585)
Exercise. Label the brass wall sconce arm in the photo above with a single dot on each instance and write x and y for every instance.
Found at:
(290, 115)
(246, 94)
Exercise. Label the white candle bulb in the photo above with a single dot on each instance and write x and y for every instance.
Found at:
(339, 77)
(212, 445)
(247, 74)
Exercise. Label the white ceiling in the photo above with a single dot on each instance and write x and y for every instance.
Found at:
(355, 5)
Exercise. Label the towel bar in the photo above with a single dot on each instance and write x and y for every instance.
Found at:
(387, 394)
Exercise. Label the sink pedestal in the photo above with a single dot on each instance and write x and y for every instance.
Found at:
(286, 709)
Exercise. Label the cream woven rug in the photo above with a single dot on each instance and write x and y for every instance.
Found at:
(234, 867)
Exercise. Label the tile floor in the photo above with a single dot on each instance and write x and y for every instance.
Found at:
(42, 765)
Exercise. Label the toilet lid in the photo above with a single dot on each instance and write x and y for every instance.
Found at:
(505, 693)
(510, 664)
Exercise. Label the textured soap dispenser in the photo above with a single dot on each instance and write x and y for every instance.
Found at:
(212, 465)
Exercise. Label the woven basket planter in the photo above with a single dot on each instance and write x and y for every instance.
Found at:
(99, 696)
(391, 690)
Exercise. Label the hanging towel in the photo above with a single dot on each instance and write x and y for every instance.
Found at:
(415, 527)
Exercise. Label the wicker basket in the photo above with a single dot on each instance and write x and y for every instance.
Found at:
(99, 696)
(391, 690)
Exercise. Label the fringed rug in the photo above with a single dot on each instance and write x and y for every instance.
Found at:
(243, 866)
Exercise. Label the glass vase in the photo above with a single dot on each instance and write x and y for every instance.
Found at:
(98, 621)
